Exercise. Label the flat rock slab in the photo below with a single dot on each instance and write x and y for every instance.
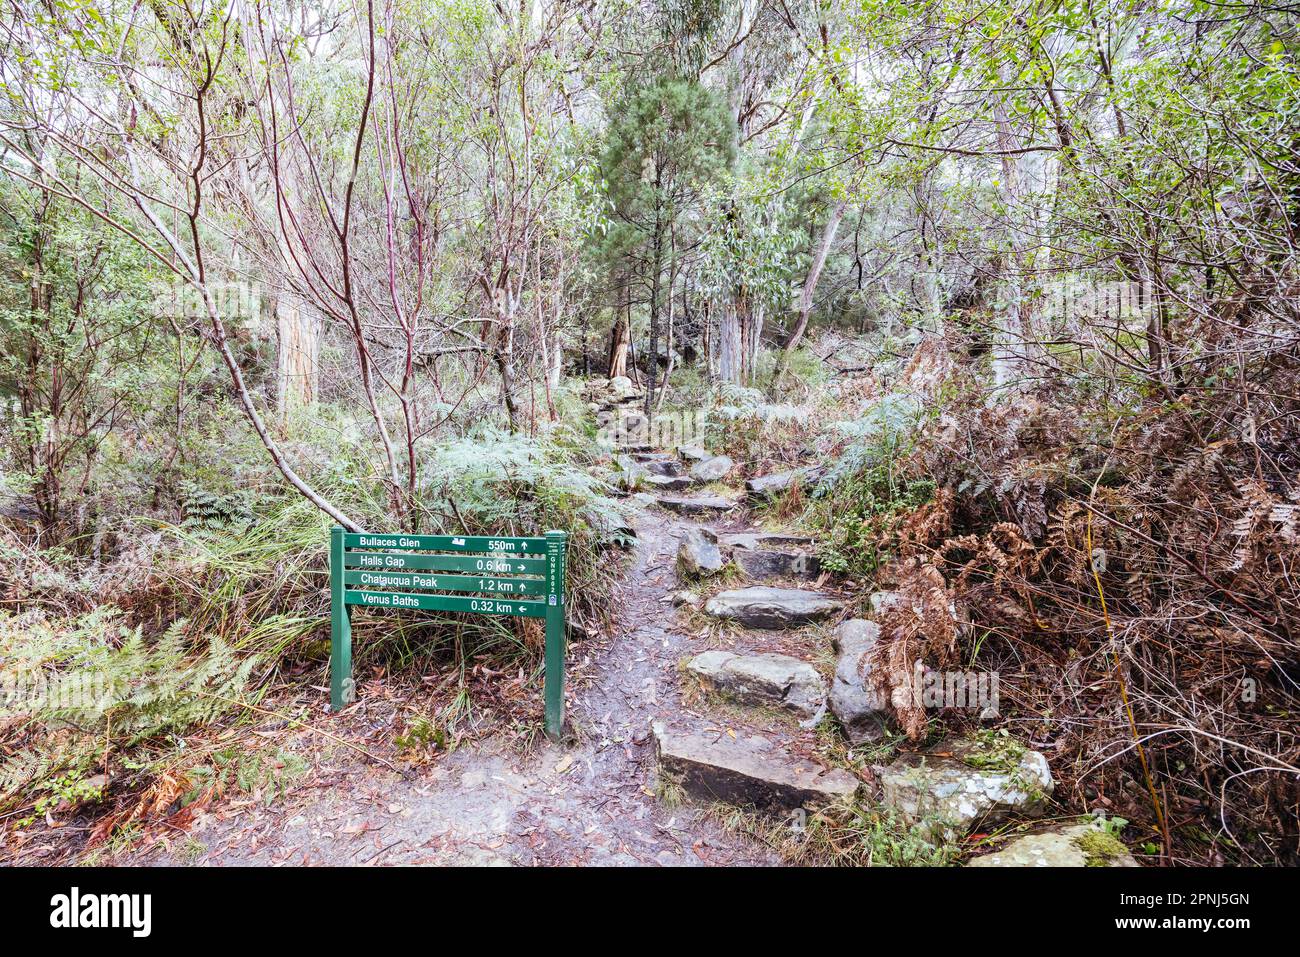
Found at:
(693, 452)
(858, 708)
(664, 476)
(767, 679)
(763, 607)
(666, 483)
(713, 469)
(769, 563)
(697, 504)
(768, 486)
(747, 771)
(1080, 845)
(657, 466)
(766, 540)
(944, 793)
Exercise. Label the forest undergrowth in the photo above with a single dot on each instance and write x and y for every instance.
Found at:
(1125, 563)
(123, 676)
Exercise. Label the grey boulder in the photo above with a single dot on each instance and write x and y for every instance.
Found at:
(746, 770)
(684, 596)
(859, 709)
(764, 679)
(699, 555)
(693, 452)
(1079, 845)
(769, 486)
(763, 607)
(713, 469)
(659, 465)
(945, 794)
(881, 601)
(767, 563)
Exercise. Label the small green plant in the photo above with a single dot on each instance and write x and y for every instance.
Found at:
(874, 837)
(268, 774)
(68, 789)
(1100, 847)
(1111, 825)
(995, 750)
(669, 791)
(857, 514)
(422, 734)
(192, 850)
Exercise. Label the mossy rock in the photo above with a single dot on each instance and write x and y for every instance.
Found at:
(1078, 845)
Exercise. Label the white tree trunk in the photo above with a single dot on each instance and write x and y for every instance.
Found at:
(1009, 340)
(298, 356)
(555, 362)
(729, 344)
(753, 343)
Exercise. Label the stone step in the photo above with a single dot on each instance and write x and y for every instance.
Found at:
(626, 420)
(764, 607)
(764, 487)
(766, 540)
(769, 563)
(666, 483)
(768, 679)
(747, 771)
(697, 504)
(665, 477)
(659, 462)
(961, 783)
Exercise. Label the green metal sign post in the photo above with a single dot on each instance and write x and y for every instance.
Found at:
(521, 577)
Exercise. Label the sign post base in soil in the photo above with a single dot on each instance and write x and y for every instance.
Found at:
(520, 577)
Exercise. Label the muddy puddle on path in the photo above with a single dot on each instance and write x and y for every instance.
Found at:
(488, 804)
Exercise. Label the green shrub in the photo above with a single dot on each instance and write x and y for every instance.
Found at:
(76, 689)
(861, 836)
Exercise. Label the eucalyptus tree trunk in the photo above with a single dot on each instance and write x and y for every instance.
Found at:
(809, 288)
(297, 356)
(753, 343)
(1010, 336)
(620, 335)
(735, 339)
(729, 343)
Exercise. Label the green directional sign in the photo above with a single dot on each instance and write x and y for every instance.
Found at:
(520, 577)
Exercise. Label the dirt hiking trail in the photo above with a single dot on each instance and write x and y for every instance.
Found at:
(592, 802)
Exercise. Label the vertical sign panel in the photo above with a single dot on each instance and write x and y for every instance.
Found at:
(556, 545)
